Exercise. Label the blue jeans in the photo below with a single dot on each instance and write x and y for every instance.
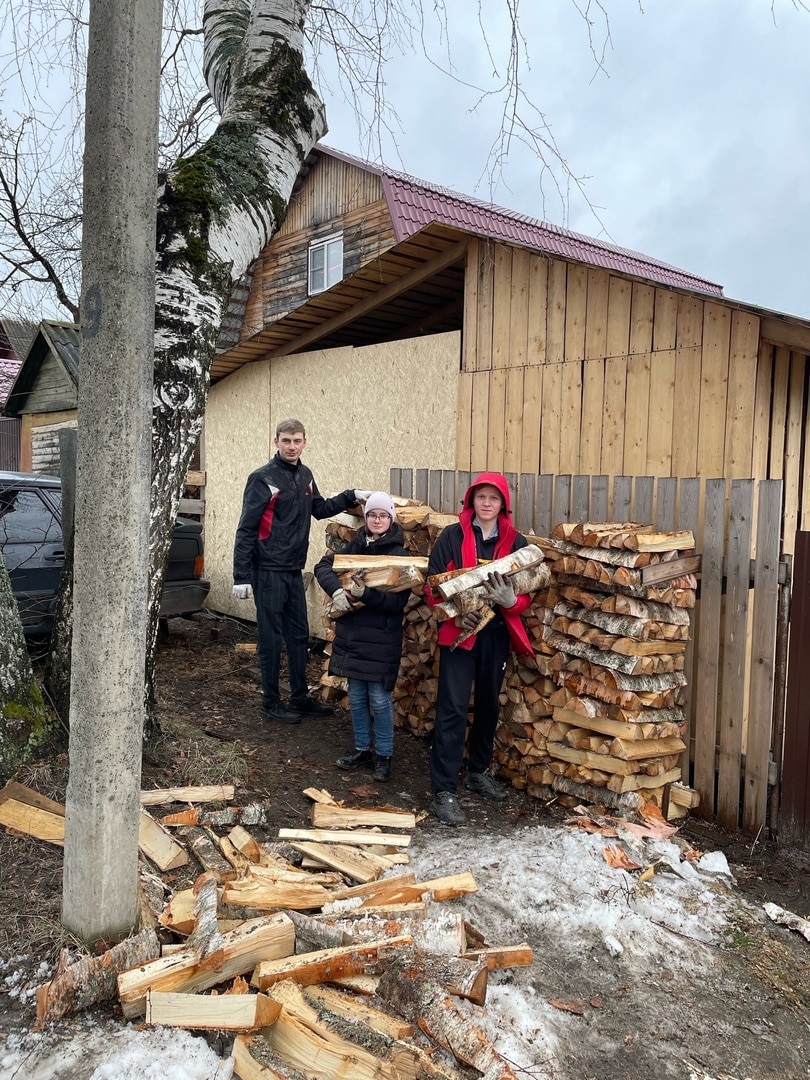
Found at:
(365, 698)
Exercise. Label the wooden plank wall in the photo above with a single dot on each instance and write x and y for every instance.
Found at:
(335, 197)
(730, 664)
(568, 369)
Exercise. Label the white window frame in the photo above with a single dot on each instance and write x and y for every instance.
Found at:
(330, 271)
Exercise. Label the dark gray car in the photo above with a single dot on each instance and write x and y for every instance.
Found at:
(31, 539)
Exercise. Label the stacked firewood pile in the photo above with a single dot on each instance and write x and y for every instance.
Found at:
(613, 628)
(317, 951)
(598, 710)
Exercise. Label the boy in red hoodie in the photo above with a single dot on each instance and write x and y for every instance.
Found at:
(484, 532)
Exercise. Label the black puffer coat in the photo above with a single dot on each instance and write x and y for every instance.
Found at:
(368, 641)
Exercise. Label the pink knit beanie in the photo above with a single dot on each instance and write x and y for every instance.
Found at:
(380, 500)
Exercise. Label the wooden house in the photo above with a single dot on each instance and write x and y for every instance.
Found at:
(411, 327)
(44, 395)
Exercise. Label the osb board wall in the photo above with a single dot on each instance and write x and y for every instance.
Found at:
(333, 197)
(364, 410)
(237, 440)
(570, 369)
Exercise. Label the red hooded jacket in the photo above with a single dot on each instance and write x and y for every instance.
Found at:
(456, 547)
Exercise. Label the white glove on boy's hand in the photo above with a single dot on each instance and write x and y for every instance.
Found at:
(500, 590)
(341, 601)
(361, 494)
(243, 592)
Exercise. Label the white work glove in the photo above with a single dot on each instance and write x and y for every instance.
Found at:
(500, 590)
(243, 592)
(361, 495)
(341, 601)
(357, 588)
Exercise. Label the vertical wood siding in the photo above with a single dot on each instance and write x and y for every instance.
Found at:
(567, 369)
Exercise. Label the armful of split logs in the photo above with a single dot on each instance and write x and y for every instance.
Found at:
(465, 591)
(388, 573)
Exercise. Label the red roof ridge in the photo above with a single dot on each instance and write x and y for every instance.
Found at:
(415, 203)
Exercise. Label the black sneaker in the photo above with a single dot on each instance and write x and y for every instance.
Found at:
(355, 759)
(483, 784)
(280, 714)
(308, 707)
(445, 807)
(382, 769)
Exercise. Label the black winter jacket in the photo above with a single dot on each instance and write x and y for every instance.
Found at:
(278, 505)
(368, 641)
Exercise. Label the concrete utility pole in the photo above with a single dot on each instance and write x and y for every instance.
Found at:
(113, 468)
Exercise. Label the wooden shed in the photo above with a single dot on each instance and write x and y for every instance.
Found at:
(412, 327)
(44, 395)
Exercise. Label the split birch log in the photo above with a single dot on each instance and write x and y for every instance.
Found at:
(255, 1059)
(328, 1044)
(162, 796)
(612, 556)
(360, 866)
(521, 559)
(326, 964)
(255, 891)
(242, 949)
(627, 665)
(645, 609)
(344, 1004)
(326, 816)
(206, 853)
(92, 979)
(225, 1012)
(616, 624)
(524, 581)
(419, 997)
(205, 939)
(396, 890)
(346, 836)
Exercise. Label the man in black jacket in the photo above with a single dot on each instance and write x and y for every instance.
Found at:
(270, 551)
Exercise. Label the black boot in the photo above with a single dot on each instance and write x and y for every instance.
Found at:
(355, 759)
(382, 769)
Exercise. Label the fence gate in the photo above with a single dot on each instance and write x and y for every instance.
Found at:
(735, 661)
(794, 819)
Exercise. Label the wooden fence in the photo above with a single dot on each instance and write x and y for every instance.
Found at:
(735, 702)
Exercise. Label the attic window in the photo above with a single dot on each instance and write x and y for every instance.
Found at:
(325, 263)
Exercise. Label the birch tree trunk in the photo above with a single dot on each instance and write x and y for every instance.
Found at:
(217, 209)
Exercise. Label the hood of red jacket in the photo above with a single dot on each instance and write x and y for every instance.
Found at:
(497, 480)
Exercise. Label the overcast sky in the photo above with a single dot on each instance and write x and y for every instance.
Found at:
(695, 137)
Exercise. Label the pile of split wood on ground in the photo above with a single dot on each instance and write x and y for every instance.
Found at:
(319, 963)
(597, 712)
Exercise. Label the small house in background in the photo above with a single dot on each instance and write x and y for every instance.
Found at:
(15, 338)
(44, 395)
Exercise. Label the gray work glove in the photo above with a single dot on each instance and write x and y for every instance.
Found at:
(361, 495)
(500, 590)
(243, 592)
(357, 588)
(469, 620)
(341, 601)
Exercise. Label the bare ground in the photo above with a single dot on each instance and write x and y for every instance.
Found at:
(752, 1020)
